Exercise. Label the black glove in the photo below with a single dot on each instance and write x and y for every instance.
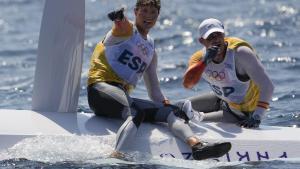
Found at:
(118, 14)
(250, 122)
(210, 54)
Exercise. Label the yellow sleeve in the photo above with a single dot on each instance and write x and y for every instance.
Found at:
(195, 57)
(122, 28)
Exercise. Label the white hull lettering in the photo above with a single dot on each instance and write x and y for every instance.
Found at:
(237, 156)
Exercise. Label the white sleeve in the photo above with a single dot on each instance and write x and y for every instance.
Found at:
(152, 82)
(247, 62)
(110, 40)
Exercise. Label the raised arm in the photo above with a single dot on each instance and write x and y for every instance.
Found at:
(197, 64)
(195, 69)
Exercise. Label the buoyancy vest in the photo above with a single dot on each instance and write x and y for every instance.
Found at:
(223, 80)
(123, 63)
(130, 58)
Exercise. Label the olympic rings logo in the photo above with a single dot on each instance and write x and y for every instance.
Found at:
(219, 76)
(143, 48)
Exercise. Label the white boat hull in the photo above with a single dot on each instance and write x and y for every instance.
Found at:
(266, 143)
(56, 89)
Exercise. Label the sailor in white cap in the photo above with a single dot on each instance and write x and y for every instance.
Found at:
(241, 87)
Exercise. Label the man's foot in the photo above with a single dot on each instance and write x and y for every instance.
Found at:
(202, 151)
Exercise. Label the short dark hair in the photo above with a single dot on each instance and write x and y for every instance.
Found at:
(155, 3)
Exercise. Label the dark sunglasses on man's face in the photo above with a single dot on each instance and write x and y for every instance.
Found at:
(215, 35)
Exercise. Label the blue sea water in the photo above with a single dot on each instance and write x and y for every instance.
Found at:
(271, 26)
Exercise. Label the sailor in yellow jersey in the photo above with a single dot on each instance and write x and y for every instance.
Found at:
(125, 55)
(241, 87)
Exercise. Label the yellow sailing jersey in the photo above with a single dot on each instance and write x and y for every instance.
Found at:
(251, 98)
(100, 70)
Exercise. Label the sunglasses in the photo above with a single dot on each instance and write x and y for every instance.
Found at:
(215, 35)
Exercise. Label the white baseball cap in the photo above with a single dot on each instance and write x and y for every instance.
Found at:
(209, 26)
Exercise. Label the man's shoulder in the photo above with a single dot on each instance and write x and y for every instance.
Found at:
(233, 38)
(245, 55)
(235, 43)
(244, 49)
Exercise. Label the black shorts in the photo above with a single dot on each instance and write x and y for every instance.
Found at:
(102, 101)
(110, 100)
